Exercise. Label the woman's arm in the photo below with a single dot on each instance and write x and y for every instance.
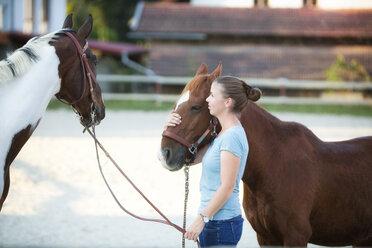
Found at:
(229, 171)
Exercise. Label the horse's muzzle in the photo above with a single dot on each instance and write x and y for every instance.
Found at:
(171, 160)
(96, 115)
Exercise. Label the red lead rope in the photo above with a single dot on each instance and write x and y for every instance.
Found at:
(165, 221)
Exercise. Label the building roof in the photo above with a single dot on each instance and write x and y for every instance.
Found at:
(182, 18)
(116, 48)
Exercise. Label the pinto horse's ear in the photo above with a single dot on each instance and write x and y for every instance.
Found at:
(68, 22)
(86, 28)
(203, 69)
(217, 72)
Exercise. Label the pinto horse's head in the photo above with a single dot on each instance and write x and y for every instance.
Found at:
(195, 115)
(79, 87)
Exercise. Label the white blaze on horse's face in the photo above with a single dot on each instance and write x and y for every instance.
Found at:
(184, 98)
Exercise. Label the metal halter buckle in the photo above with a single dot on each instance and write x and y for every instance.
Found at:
(192, 149)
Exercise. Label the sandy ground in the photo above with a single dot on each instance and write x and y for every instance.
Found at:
(58, 199)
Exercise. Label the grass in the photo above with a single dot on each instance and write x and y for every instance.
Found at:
(355, 110)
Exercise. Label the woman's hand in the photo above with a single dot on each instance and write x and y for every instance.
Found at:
(195, 229)
(172, 120)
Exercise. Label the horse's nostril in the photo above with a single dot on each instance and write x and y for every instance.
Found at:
(166, 153)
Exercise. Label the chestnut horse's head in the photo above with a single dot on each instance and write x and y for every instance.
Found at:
(195, 115)
(77, 70)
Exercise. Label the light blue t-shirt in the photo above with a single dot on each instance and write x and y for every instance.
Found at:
(235, 141)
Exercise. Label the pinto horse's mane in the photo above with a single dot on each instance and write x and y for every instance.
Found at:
(21, 60)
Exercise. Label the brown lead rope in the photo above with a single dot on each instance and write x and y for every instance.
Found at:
(166, 221)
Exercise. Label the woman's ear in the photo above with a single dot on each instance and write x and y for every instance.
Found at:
(229, 103)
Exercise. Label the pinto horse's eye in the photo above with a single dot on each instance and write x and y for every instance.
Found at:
(195, 108)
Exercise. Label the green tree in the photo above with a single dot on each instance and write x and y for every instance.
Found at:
(341, 70)
(110, 17)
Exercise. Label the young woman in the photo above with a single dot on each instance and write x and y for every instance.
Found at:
(219, 222)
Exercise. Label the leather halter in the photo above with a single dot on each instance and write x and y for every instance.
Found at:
(86, 71)
(193, 147)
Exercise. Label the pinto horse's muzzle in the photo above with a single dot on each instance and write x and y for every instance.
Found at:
(95, 117)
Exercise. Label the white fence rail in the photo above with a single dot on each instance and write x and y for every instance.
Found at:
(354, 97)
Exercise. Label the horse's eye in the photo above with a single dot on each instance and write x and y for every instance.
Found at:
(195, 108)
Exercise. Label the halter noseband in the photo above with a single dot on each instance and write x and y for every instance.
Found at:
(86, 71)
(193, 147)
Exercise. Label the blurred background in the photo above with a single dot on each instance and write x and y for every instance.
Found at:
(300, 52)
(311, 58)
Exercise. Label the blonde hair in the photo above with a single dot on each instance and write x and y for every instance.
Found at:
(239, 91)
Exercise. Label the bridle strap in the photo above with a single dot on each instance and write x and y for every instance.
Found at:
(87, 71)
(193, 147)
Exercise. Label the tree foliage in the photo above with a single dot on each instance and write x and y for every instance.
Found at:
(111, 17)
(352, 71)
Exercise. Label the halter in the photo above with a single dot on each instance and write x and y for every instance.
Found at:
(193, 147)
(86, 70)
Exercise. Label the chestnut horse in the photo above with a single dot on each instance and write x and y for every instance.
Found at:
(52, 64)
(298, 189)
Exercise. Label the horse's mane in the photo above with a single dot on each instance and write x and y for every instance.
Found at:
(20, 61)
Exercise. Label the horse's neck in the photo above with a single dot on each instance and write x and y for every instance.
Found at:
(24, 101)
(261, 129)
(259, 123)
(28, 96)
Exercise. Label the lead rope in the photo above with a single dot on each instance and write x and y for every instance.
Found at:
(186, 171)
(165, 221)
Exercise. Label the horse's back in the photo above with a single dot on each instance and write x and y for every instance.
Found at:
(338, 178)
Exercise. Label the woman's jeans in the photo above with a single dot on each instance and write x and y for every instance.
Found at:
(222, 232)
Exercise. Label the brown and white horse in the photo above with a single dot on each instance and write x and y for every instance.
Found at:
(297, 188)
(52, 64)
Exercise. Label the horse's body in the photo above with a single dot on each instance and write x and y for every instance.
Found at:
(28, 80)
(297, 188)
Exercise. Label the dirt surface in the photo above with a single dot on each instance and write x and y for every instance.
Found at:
(57, 197)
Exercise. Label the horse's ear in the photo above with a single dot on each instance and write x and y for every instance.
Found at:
(217, 72)
(203, 69)
(86, 28)
(68, 22)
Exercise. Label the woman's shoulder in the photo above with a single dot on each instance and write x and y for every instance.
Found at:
(235, 141)
(236, 130)
(235, 133)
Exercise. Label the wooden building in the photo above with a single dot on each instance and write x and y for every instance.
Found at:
(256, 42)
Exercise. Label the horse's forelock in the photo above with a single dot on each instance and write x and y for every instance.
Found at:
(196, 84)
